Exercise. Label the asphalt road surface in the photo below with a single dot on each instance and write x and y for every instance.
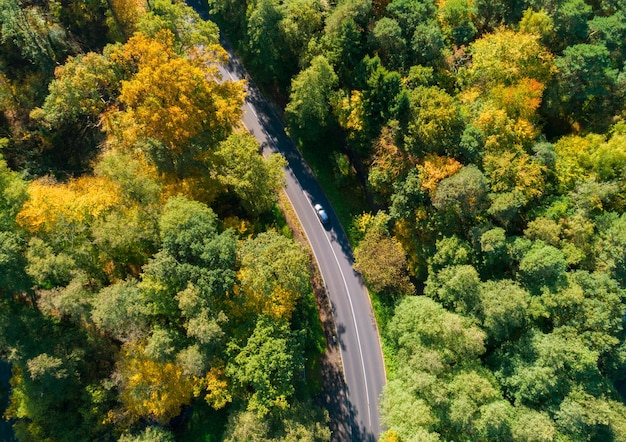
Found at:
(357, 333)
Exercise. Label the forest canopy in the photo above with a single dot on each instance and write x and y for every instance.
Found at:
(475, 151)
(482, 144)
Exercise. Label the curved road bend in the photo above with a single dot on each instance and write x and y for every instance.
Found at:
(357, 333)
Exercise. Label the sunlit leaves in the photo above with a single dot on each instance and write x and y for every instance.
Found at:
(308, 111)
(173, 112)
(53, 205)
(124, 15)
(273, 276)
(192, 34)
(151, 389)
(254, 179)
(506, 57)
(581, 158)
(435, 125)
(81, 90)
(264, 366)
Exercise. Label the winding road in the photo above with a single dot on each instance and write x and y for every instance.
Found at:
(357, 333)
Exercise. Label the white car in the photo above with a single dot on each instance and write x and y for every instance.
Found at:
(321, 213)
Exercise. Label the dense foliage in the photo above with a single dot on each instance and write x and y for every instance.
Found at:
(491, 135)
(141, 297)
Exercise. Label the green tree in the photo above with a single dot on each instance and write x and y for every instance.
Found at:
(255, 180)
(588, 309)
(585, 84)
(583, 416)
(149, 434)
(450, 251)
(504, 309)
(82, 89)
(427, 43)
(435, 123)
(39, 38)
(12, 264)
(193, 252)
(463, 194)
(383, 95)
(118, 311)
(613, 249)
(609, 31)
(443, 390)
(388, 37)
(302, 21)
(308, 112)
(12, 193)
(571, 24)
(533, 426)
(420, 324)
(545, 368)
(410, 14)
(542, 266)
(263, 368)
(12, 244)
(457, 288)
(455, 17)
(265, 41)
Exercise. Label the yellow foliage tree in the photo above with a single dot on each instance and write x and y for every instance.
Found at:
(152, 389)
(52, 205)
(388, 163)
(589, 157)
(506, 57)
(504, 133)
(350, 112)
(435, 168)
(514, 171)
(171, 99)
(125, 15)
(218, 394)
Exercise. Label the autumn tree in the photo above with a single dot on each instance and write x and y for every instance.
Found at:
(273, 275)
(150, 388)
(381, 259)
(152, 106)
(506, 57)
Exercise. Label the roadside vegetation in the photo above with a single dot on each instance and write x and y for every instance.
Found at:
(484, 146)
